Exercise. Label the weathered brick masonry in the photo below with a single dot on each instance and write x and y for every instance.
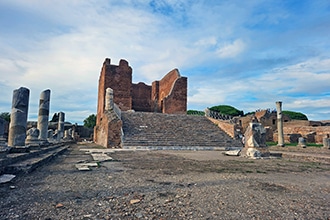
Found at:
(169, 95)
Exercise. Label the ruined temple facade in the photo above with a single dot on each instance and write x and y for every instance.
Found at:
(168, 95)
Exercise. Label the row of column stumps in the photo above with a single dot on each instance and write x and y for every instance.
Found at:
(19, 114)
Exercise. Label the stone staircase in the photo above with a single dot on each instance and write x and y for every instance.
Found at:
(144, 130)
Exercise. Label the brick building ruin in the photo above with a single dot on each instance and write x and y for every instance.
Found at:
(168, 95)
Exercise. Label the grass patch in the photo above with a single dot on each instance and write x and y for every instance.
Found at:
(260, 171)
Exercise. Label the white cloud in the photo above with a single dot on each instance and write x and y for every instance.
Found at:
(207, 41)
(230, 50)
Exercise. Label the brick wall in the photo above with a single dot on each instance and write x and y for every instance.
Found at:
(118, 78)
(176, 101)
(312, 134)
(141, 97)
(172, 94)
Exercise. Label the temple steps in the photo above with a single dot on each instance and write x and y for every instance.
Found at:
(144, 130)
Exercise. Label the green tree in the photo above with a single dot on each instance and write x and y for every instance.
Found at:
(227, 110)
(90, 121)
(5, 116)
(295, 115)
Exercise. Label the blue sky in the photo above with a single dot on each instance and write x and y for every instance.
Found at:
(248, 54)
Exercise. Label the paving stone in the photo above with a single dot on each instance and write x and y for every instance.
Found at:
(101, 157)
(5, 178)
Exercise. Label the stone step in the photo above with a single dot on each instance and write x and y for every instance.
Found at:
(15, 157)
(156, 130)
(19, 163)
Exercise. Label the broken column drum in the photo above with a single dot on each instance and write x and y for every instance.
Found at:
(18, 117)
(279, 124)
(43, 115)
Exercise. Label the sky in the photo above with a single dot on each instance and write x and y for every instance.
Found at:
(247, 54)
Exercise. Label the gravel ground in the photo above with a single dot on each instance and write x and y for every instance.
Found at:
(170, 185)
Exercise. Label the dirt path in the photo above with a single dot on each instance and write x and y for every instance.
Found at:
(170, 185)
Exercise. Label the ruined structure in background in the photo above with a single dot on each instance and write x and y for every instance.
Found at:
(312, 131)
(169, 95)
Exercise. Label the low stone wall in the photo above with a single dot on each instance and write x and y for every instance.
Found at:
(296, 123)
(312, 134)
(225, 126)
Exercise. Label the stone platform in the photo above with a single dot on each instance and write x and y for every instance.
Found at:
(26, 162)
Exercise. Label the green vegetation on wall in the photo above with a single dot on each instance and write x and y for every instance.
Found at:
(295, 115)
(195, 112)
(227, 110)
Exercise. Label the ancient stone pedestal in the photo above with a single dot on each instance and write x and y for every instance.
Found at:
(255, 141)
(280, 124)
(19, 113)
(67, 135)
(301, 142)
(43, 115)
(32, 138)
(50, 135)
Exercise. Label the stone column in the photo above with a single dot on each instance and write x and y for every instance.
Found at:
(280, 125)
(326, 142)
(60, 128)
(18, 117)
(108, 99)
(43, 115)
